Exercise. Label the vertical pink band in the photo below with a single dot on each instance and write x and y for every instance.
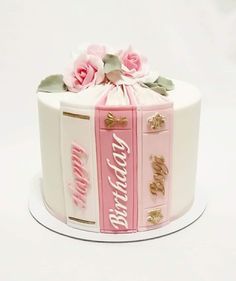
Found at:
(154, 142)
(125, 170)
(116, 155)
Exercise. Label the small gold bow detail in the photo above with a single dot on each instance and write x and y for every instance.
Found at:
(111, 121)
(156, 122)
(160, 170)
(155, 216)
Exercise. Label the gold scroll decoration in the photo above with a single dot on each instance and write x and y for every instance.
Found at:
(75, 115)
(111, 120)
(160, 171)
(156, 122)
(81, 220)
(154, 216)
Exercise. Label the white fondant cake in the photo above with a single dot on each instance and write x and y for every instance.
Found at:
(119, 157)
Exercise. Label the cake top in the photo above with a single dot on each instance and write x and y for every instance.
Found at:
(100, 65)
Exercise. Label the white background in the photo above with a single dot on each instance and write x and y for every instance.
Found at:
(188, 40)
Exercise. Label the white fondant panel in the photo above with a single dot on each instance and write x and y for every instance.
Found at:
(77, 127)
(50, 141)
(49, 124)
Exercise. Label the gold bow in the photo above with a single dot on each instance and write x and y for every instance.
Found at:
(111, 121)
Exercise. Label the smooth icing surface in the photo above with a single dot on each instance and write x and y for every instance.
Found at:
(57, 172)
(78, 129)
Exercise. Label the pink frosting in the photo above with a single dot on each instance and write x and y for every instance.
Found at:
(80, 186)
(96, 50)
(134, 64)
(88, 68)
(87, 71)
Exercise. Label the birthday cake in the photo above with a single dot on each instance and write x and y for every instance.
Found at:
(118, 143)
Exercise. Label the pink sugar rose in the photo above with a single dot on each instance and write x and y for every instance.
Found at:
(87, 71)
(97, 50)
(134, 64)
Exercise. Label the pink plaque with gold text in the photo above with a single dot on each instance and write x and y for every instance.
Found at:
(116, 155)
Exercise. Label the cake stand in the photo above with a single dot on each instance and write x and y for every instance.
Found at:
(42, 215)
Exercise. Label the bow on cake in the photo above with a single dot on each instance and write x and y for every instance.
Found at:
(111, 120)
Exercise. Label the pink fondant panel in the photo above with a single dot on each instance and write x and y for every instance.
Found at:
(117, 115)
(160, 221)
(154, 143)
(116, 151)
(165, 113)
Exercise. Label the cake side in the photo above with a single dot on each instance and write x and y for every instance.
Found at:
(187, 105)
(186, 118)
(49, 125)
(118, 143)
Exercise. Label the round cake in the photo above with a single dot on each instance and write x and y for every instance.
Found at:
(118, 143)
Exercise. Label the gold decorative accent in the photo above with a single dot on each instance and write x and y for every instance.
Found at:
(156, 122)
(82, 221)
(74, 115)
(155, 216)
(160, 171)
(111, 121)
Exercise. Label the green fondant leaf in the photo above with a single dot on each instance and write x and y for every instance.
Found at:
(150, 84)
(52, 83)
(160, 90)
(161, 85)
(155, 87)
(165, 83)
(111, 63)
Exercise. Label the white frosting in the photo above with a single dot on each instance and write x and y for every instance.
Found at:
(82, 132)
(146, 96)
(117, 97)
(50, 137)
(186, 99)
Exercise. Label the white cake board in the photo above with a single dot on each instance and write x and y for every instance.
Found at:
(44, 217)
